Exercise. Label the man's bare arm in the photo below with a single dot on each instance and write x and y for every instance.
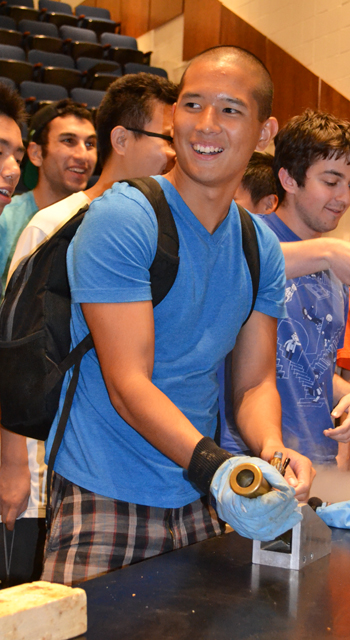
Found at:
(14, 477)
(256, 402)
(309, 256)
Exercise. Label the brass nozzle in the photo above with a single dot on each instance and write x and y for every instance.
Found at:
(247, 480)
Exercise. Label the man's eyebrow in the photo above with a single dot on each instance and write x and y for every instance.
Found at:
(223, 97)
(75, 135)
(232, 100)
(5, 143)
(188, 95)
(332, 172)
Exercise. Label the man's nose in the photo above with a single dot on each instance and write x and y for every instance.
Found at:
(343, 195)
(81, 150)
(208, 121)
(10, 169)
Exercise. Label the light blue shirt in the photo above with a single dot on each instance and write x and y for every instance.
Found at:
(13, 220)
(195, 327)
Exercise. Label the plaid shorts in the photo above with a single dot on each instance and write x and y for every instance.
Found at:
(91, 534)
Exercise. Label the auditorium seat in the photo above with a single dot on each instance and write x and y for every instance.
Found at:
(10, 36)
(91, 98)
(40, 35)
(97, 74)
(57, 12)
(136, 68)
(81, 42)
(13, 63)
(124, 49)
(96, 18)
(36, 94)
(54, 68)
(19, 9)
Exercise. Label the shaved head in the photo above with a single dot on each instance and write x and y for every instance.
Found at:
(263, 93)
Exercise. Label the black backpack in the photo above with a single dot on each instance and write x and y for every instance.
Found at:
(35, 320)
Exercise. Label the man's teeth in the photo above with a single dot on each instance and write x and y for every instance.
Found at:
(207, 150)
(5, 192)
(76, 170)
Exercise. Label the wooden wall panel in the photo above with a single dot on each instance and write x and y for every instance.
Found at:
(202, 26)
(134, 17)
(161, 11)
(296, 88)
(334, 102)
(236, 31)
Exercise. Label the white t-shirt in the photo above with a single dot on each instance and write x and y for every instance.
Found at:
(46, 222)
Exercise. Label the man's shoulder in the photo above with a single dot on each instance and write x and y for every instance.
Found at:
(280, 229)
(49, 218)
(22, 202)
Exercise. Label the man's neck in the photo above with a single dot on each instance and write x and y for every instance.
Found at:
(44, 196)
(289, 215)
(110, 174)
(209, 204)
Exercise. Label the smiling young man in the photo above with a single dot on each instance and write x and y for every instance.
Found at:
(12, 115)
(312, 169)
(62, 146)
(136, 483)
(133, 126)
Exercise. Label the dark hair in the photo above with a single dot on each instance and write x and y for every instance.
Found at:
(12, 105)
(60, 109)
(259, 178)
(307, 138)
(263, 93)
(129, 102)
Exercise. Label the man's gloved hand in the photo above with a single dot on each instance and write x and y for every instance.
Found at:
(262, 518)
(336, 515)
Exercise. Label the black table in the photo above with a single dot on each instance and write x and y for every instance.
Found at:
(212, 591)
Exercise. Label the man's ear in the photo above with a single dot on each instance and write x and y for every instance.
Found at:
(268, 132)
(173, 109)
(288, 183)
(35, 154)
(119, 139)
(268, 204)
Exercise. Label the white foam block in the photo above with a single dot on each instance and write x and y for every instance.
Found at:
(42, 611)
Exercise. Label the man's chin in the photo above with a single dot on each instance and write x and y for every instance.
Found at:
(74, 187)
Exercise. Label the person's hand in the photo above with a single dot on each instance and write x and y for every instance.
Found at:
(262, 518)
(14, 492)
(336, 515)
(341, 433)
(300, 472)
(337, 254)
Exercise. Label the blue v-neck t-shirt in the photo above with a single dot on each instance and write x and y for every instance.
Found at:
(195, 327)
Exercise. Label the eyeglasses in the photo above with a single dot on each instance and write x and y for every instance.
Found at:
(151, 134)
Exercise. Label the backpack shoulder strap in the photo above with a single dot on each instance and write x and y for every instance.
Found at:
(251, 252)
(163, 270)
(163, 273)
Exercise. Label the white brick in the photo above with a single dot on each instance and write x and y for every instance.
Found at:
(320, 52)
(305, 54)
(42, 611)
(321, 6)
(308, 30)
(308, 9)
